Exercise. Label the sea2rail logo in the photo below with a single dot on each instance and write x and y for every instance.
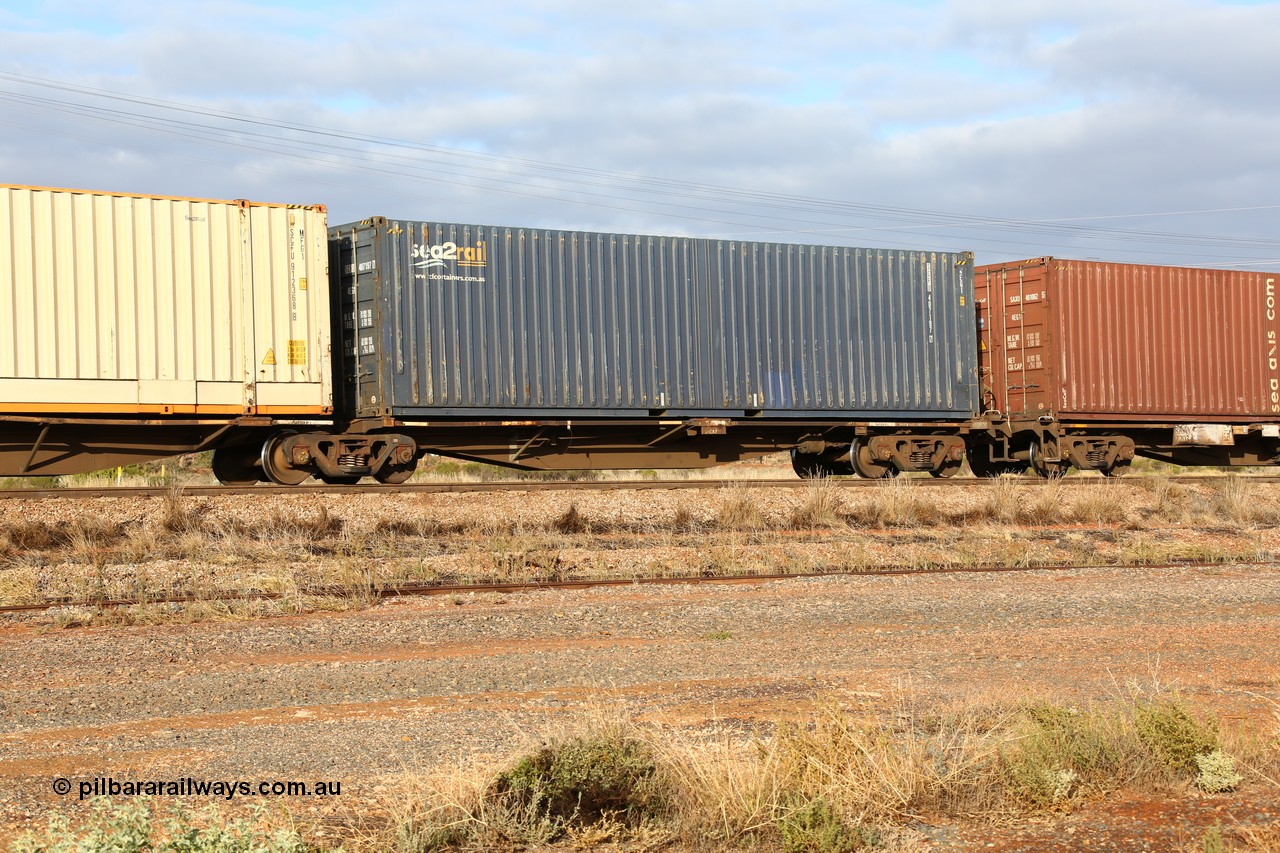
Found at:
(444, 261)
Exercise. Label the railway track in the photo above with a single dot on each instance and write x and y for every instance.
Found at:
(554, 485)
(409, 590)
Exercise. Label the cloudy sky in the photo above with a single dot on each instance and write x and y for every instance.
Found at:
(1139, 130)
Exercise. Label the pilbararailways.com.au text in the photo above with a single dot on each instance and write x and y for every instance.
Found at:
(227, 789)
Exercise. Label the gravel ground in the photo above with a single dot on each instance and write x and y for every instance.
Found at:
(364, 695)
(361, 696)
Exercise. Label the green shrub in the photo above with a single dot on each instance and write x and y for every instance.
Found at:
(131, 828)
(1173, 736)
(584, 779)
(1217, 772)
(814, 827)
(1060, 750)
(1213, 842)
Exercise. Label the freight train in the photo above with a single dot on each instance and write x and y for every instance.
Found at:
(146, 326)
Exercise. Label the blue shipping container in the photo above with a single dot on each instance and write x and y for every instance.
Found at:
(440, 320)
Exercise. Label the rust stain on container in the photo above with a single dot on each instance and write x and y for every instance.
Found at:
(1091, 340)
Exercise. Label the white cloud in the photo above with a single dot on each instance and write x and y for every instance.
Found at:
(1035, 110)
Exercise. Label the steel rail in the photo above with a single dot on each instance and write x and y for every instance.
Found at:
(381, 593)
(73, 492)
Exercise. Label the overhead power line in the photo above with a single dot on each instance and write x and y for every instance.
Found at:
(767, 212)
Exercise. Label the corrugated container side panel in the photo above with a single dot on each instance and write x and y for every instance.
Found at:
(618, 317)
(185, 279)
(833, 320)
(936, 325)
(1143, 341)
(841, 340)
(789, 322)
(498, 333)
(805, 335)
(224, 363)
(887, 319)
(41, 306)
(197, 299)
(82, 350)
(566, 320)
(919, 275)
(860, 357)
(801, 332)
(902, 284)
(1107, 354)
(824, 305)
(146, 302)
(876, 313)
(10, 270)
(724, 297)
(117, 300)
(95, 313)
(811, 329)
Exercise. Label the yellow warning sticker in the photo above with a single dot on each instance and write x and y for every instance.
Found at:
(270, 357)
(297, 352)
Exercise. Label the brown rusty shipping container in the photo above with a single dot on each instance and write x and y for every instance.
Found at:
(1092, 341)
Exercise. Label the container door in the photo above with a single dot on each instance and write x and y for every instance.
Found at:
(287, 309)
(1016, 340)
(1026, 338)
(355, 268)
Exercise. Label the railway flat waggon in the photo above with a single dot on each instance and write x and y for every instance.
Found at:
(1085, 364)
(564, 349)
(143, 326)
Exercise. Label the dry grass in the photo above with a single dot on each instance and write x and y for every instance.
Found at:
(195, 547)
(1171, 499)
(1004, 500)
(822, 506)
(844, 779)
(839, 781)
(571, 521)
(1102, 505)
(739, 510)
(1237, 500)
(897, 503)
(1256, 839)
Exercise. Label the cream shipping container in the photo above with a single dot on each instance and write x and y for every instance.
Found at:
(141, 326)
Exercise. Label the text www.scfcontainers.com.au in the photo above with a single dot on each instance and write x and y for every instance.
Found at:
(226, 789)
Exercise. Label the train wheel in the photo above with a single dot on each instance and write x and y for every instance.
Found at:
(277, 465)
(1047, 470)
(980, 463)
(236, 466)
(394, 475)
(1115, 470)
(808, 466)
(865, 466)
(339, 481)
(948, 469)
